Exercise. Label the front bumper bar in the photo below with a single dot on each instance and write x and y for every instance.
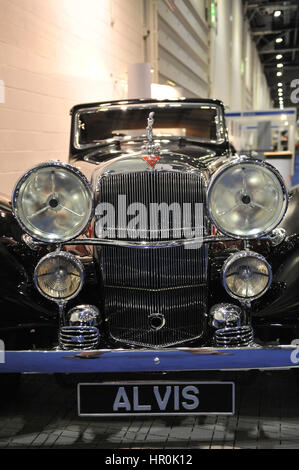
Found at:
(126, 361)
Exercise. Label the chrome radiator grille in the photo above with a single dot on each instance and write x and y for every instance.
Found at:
(141, 284)
(130, 312)
(149, 188)
(158, 268)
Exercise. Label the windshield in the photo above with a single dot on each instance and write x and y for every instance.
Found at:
(103, 124)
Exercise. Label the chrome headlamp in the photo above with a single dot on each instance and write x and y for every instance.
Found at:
(59, 276)
(247, 199)
(246, 275)
(53, 202)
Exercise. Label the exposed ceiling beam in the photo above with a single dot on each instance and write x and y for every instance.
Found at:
(278, 6)
(265, 32)
(278, 51)
(286, 67)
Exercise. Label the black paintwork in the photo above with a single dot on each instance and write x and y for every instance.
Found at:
(26, 318)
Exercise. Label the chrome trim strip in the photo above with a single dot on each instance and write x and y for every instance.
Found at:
(147, 244)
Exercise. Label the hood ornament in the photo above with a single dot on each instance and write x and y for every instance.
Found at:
(152, 150)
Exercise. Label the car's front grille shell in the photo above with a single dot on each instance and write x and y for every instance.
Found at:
(139, 283)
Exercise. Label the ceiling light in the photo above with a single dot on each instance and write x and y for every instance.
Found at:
(278, 40)
(277, 13)
(283, 117)
(279, 84)
(279, 89)
(279, 66)
(279, 56)
(279, 74)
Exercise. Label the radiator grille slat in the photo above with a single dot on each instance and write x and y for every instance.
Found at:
(150, 188)
(129, 311)
(141, 282)
(153, 269)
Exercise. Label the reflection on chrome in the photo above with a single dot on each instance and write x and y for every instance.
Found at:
(59, 276)
(246, 275)
(247, 199)
(53, 202)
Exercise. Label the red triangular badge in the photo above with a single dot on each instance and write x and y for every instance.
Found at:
(152, 160)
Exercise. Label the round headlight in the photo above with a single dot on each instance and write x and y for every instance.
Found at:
(246, 275)
(247, 199)
(53, 202)
(59, 276)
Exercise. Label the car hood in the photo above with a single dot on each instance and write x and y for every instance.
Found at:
(187, 157)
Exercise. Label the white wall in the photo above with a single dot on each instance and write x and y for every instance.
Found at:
(183, 46)
(55, 54)
(236, 80)
(236, 72)
(261, 93)
(220, 56)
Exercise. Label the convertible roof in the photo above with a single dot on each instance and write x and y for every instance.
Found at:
(140, 101)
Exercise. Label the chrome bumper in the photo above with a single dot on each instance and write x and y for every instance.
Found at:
(123, 361)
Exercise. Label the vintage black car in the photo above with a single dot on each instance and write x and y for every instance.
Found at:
(176, 256)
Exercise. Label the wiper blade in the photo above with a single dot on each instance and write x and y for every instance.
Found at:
(119, 140)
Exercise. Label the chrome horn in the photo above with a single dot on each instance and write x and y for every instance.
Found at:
(82, 330)
(229, 323)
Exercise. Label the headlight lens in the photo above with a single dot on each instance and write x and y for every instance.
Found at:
(53, 202)
(59, 276)
(246, 275)
(247, 199)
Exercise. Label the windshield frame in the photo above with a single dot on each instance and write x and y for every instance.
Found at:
(153, 106)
